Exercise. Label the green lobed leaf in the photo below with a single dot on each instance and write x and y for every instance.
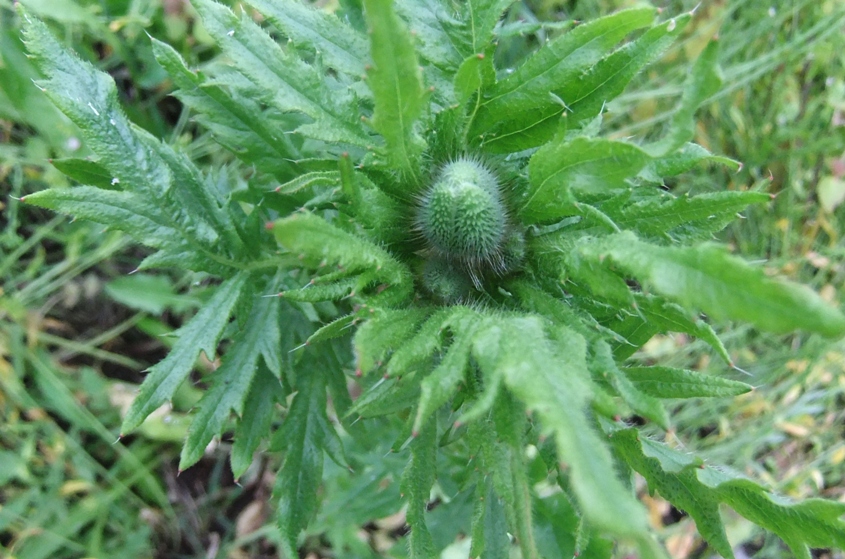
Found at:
(642, 402)
(388, 396)
(231, 382)
(86, 172)
(334, 329)
(682, 160)
(559, 312)
(495, 455)
(510, 476)
(237, 122)
(706, 277)
(308, 180)
(561, 171)
(609, 77)
(682, 489)
(376, 215)
(481, 406)
(603, 283)
(417, 480)
(489, 524)
(149, 293)
(435, 27)
(257, 418)
(441, 384)
(666, 382)
(425, 343)
(204, 216)
(474, 73)
(339, 46)
(396, 82)
(137, 162)
(386, 331)
(321, 242)
(685, 217)
(185, 258)
(705, 80)
(288, 82)
(124, 211)
(572, 72)
(303, 435)
(553, 66)
(481, 17)
(89, 98)
(201, 333)
(554, 382)
(814, 523)
(313, 293)
(560, 532)
(672, 318)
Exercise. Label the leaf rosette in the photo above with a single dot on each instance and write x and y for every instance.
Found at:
(499, 293)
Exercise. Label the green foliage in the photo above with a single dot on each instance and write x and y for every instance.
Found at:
(591, 261)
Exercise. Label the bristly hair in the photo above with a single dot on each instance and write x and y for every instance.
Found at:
(477, 267)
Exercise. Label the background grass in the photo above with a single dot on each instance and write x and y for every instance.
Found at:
(76, 330)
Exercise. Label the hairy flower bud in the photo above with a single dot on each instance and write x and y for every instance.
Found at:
(462, 216)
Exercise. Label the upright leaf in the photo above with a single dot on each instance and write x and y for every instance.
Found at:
(474, 73)
(201, 333)
(396, 82)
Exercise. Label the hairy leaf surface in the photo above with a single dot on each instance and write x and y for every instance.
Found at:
(201, 333)
(707, 277)
(396, 82)
(288, 82)
(666, 382)
(551, 69)
(260, 338)
(340, 47)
